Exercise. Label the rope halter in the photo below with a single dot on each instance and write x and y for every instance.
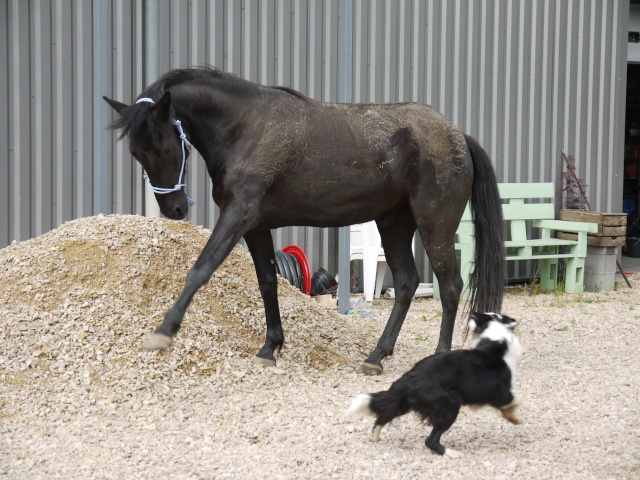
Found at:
(183, 143)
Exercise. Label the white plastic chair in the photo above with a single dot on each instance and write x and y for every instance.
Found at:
(366, 245)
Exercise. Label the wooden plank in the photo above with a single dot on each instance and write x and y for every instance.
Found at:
(601, 218)
(594, 241)
(611, 232)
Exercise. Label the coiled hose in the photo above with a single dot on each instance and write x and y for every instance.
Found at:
(292, 265)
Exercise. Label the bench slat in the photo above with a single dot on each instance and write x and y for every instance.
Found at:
(551, 242)
(526, 190)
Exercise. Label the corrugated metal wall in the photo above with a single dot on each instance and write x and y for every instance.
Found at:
(525, 77)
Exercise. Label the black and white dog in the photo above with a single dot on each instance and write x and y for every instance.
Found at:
(438, 385)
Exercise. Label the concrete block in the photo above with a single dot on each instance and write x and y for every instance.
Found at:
(600, 269)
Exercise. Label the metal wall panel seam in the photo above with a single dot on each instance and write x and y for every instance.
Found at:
(582, 161)
(5, 160)
(543, 113)
(78, 124)
(555, 127)
(296, 42)
(195, 180)
(119, 69)
(493, 146)
(372, 57)
(326, 64)
(280, 29)
(312, 51)
(615, 82)
(137, 86)
(402, 28)
(532, 91)
(590, 134)
(471, 77)
(601, 81)
(442, 23)
(37, 114)
(567, 81)
(386, 23)
(58, 118)
(14, 120)
(428, 60)
(246, 44)
(415, 49)
(619, 99)
(357, 51)
(482, 73)
(263, 44)
(100, 85)
(504, 157)
(455, 92)
(520, 88)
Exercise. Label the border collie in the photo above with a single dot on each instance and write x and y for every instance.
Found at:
(438, 385)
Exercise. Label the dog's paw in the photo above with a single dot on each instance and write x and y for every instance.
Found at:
(375, 435)
(509, 413)
(451, 453)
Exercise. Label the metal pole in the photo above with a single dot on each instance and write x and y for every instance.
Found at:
(345, 75)
(151, 72)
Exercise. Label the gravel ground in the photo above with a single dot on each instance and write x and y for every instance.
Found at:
(80, 399)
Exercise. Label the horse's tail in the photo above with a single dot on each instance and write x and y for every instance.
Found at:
(489, 275)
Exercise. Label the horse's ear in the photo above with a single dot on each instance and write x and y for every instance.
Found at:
(162, 108)
(117, 106)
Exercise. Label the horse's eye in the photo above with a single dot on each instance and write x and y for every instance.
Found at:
(166, 151)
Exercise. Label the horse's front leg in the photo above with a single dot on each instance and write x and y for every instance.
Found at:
(229, 229)
(260, 245)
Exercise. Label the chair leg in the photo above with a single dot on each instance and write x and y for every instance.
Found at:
(466, 267)
(380, 271)
(436, 288)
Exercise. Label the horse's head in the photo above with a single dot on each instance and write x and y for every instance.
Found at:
(156, 143)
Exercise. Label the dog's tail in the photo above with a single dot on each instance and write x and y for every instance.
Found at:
(390, 403)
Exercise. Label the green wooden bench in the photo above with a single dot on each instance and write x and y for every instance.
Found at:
(544, 248)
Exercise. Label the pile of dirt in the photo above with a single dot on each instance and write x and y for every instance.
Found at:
(108, 281)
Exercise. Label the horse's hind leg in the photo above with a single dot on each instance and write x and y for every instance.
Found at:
(260, 245)
(439, 246)
(396, 241)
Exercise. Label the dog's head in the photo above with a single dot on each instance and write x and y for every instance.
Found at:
(496, 328)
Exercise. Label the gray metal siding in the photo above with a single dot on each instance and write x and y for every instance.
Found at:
(526, 78)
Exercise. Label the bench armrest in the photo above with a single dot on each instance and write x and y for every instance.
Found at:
(566, 226)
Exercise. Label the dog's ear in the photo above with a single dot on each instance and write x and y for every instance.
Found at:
(509, 322)
(477, 321)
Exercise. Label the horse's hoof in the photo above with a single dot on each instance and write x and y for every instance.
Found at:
(265, 362)
(370, 369)
(158, 341)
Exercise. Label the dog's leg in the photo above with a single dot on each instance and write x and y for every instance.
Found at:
(508, 411)
(385, 418)
(442, 417)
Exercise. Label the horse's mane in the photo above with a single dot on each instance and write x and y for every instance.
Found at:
(136, 117)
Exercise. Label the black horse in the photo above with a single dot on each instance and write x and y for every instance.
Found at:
(273, 154)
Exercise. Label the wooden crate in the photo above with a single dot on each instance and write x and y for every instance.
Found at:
(612, 227)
